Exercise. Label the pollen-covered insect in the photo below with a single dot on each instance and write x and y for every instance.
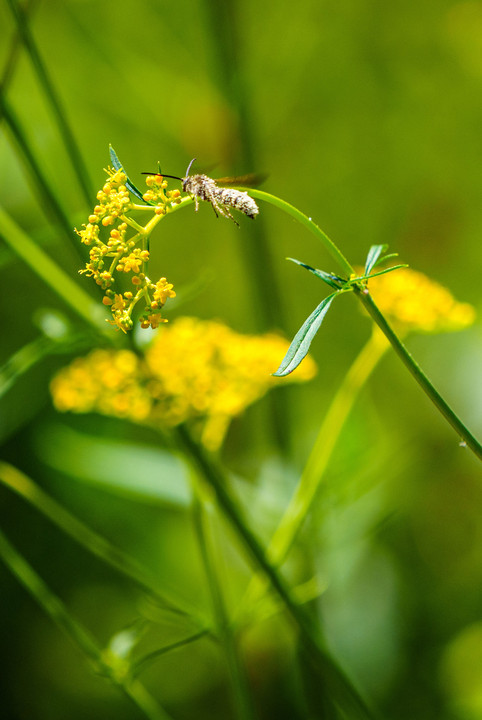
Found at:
(202, 187)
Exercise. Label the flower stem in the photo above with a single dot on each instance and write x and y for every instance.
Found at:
(243, 703)
(417, 372)
(365, 298)
(330, 246)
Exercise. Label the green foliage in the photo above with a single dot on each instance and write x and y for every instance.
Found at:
(325, 560)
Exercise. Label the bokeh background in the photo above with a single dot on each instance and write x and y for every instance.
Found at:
(367, 116)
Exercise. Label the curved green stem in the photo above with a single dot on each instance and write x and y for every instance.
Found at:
(330, 246)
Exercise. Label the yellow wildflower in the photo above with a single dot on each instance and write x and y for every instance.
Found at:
(163, 291)
(118, 251)
(414, 302)
(194, 370)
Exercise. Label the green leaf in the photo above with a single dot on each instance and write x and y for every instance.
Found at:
(118, 166)
(373, 257)
(332, 280)
(387, 270)
(300, 345)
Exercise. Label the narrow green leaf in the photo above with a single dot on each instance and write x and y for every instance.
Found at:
(332, 280)
(387, 270)
(119, 166)
(373, 257)
(300, 345)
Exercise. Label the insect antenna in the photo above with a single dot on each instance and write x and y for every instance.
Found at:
(174, 177)
(189, 167)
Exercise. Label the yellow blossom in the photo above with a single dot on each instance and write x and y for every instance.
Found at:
(414, 302)
(115, 249)
(163, 291)
(194, 370)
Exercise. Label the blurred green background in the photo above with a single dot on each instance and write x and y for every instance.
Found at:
(367, 116)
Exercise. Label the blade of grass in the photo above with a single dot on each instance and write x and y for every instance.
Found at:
(14, 53)
(54, 101)
(53, 275)
(47, 195)
(89, 647)
(146, 660)
(87, 538)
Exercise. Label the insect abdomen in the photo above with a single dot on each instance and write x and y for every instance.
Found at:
(237, 199)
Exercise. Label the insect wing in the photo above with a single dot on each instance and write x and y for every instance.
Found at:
(250, 180)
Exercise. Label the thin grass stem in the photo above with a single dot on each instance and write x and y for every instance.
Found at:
(242, 698)
(467, 439)
(88, 539)
(47, 195)
(53, 275)
(89, 647)
(53, 98)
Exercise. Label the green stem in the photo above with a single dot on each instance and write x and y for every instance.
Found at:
(242, 697)
(333, 677)
(146, 660)
(59, 614)
(87, 538)
(365, 298)
(329, 245)
(313, 473)
(417, 372)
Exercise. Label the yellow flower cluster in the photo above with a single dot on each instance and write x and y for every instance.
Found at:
(119, 254)
(414, 302)
(193, 370)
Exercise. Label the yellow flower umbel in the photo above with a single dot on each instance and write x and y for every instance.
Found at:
(414, 302)
(119, 252)
(194, 370)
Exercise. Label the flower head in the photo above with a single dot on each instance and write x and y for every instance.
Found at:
(197, 371)
(117, 250)
(414, 302)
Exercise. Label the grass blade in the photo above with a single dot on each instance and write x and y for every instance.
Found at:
(54, 101)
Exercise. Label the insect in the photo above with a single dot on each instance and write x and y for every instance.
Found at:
(202, 187)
